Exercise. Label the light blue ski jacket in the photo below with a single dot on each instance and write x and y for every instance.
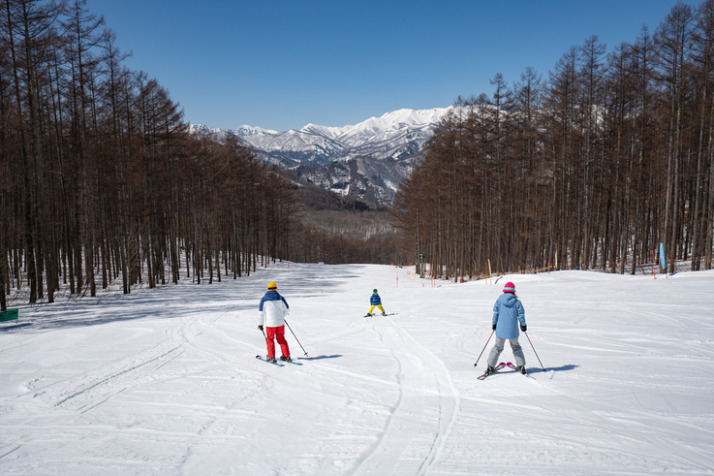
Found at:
(508, 313)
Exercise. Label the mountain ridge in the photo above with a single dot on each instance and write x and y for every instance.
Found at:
(366, 161)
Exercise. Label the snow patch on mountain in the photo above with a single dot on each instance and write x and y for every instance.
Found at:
(376, 154)
(379, 137)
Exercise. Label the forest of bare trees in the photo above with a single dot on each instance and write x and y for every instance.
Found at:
(589, 168)
(101, 183)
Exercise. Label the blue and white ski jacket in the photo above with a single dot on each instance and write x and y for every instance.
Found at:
(375, 300)
(508, 312)
(273, 309)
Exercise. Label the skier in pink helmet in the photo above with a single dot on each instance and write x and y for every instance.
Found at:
(508, 313)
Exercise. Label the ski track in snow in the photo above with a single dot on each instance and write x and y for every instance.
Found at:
(164, 382)
(423, 415)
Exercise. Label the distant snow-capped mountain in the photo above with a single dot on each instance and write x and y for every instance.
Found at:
(367, 161)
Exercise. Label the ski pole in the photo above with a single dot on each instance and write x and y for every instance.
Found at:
(298, 341)
(534, 351)
(484, 348)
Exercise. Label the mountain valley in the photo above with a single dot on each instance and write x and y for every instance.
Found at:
(365, 162)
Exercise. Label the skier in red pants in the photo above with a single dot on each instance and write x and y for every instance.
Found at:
(273, 309)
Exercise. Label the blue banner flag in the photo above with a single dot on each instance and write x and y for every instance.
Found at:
(662, 260)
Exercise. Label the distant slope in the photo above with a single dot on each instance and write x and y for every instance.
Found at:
(366, 161)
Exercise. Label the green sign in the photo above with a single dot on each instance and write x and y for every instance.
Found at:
(9, 315)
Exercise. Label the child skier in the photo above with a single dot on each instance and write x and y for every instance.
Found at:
(273, 309)
(508, 312)
(375, 301)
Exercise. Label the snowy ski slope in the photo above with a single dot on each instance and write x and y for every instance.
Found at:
(165, 381)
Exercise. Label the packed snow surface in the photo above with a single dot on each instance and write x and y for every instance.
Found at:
(165, 381)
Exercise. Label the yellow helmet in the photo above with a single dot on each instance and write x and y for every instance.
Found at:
(272, 285)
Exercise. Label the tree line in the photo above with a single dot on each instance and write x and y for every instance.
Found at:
(590, 168)
(100, 179)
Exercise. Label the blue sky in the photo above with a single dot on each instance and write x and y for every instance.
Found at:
(282, 64)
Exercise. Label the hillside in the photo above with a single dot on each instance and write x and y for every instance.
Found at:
(366, 162)
(165, 381)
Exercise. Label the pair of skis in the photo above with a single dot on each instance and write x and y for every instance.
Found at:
(499, 367)
(379, 315)
(279, 363)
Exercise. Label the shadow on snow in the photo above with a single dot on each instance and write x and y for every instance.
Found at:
(176, 301)
(562, 368)
(321, 357)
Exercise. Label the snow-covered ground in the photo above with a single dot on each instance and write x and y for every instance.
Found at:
(165, 381)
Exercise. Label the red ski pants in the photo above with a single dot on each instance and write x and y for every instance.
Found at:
(277, 333)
